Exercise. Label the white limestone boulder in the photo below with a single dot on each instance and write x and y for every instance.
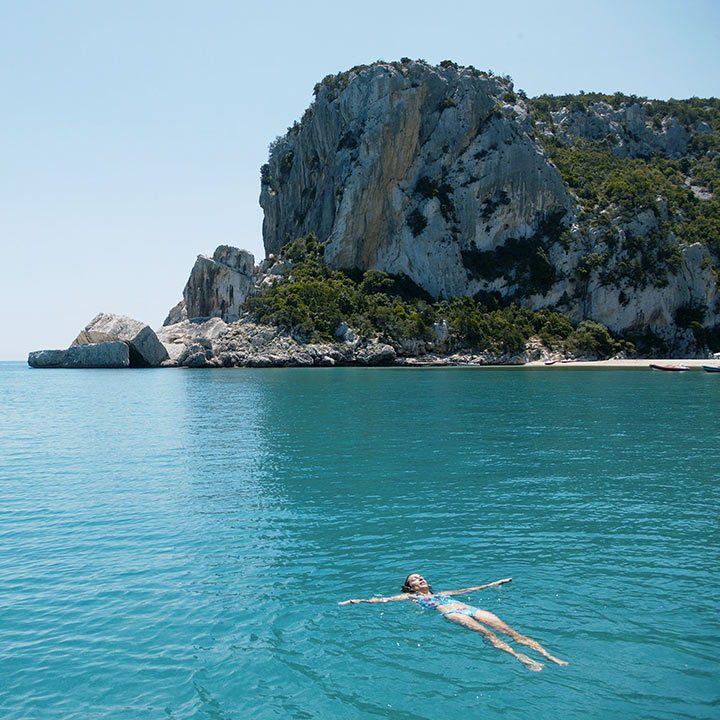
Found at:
(95, 355)
(376, 354)
(145, 348)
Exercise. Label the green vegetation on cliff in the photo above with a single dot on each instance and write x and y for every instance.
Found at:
(618, 219)
(683, 192)
(312, 300)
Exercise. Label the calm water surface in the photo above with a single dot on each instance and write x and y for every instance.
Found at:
(173, 543)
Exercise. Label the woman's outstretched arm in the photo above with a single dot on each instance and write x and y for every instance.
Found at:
(404, 596)
(477, 587)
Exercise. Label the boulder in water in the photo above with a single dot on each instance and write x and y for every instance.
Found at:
(145, 348)
(93, 355)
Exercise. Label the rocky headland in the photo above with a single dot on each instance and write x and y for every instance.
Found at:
(434, 215)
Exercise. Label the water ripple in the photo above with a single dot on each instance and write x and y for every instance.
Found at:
(174, 544)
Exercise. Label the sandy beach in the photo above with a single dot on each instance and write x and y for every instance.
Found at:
(625, 363)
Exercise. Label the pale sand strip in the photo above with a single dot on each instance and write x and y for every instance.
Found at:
(626, 363)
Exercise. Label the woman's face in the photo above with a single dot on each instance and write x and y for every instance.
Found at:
(417, 583)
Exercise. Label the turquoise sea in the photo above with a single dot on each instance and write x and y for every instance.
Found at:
(173, 543)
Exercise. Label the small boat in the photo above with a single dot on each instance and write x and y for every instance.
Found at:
(671, 368)
(711, 368)
(550, 362)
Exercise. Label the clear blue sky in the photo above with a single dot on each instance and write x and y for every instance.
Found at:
(132, 133)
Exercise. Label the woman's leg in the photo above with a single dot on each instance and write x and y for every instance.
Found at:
(496, 623)
(493, 639)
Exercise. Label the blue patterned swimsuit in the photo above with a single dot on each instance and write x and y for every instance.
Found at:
(432, 602)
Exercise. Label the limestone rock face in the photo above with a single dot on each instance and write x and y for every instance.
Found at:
(655, 308)
(406, 168)
(439, 174)
(96, 355)
(176, 314)
(218, 286)
(178, 337)
(630, 128)
(145, 348)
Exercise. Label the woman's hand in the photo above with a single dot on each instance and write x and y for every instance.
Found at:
(348, 602)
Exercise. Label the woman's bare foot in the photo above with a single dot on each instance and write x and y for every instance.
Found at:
(529, 663)
(556, 660)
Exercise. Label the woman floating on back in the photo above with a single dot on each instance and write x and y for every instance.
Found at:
(417, 589)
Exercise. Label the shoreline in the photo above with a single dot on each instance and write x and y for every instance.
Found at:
(613, 363)
(645, 363)
(117, 341)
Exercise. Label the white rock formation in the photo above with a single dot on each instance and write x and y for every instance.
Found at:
(96, 355)
(176, 314)
(403, 168)
(435, 173)
(178, 337)
(654, 308)
(628, 126)
(218, 286)
(145, 348)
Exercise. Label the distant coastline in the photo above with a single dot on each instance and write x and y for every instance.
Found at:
(640, 363)
(694, 364)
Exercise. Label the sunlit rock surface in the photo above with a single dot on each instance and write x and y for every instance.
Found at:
(145, 348)
(438, 174)
(218, 286)
(403, 168)
(96, 355)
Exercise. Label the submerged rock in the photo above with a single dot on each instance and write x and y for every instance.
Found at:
(95, 355)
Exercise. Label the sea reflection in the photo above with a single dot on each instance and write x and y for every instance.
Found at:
(231, 491)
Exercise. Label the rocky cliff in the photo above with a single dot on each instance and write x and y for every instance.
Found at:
(422, 214)
(405, 167)
(217, 286)
(449, 177)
